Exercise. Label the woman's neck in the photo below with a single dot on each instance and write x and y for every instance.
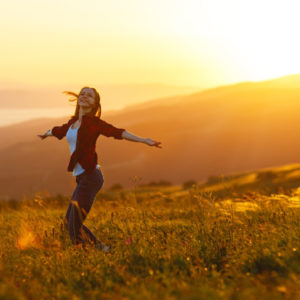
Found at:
(81, 113)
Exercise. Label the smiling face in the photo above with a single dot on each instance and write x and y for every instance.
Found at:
(86, 98)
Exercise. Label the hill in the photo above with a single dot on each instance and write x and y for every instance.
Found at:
(227, 129)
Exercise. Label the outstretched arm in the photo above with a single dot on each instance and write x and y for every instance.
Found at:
(131, 137)
(57, 131)
(46, 134)
(108, 130)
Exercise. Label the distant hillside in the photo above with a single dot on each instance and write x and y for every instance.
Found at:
(118, 94)
(234, 128)
(276, 180)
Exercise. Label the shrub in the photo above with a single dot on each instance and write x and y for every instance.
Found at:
(264, 263)
(157, 183)
(213, 179)
(116, 186)
(188, 184)
(266, 175)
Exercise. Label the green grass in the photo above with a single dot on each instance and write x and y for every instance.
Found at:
(213, 241)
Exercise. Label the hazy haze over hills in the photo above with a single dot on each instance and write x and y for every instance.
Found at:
(112, 96)
(22, 103)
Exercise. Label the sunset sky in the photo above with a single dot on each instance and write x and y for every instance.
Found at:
(201, 43)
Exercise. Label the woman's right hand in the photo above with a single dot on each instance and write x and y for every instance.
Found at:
(46, 134)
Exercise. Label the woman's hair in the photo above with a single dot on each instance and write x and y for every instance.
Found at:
(96, 110)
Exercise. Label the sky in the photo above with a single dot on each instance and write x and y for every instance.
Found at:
(202, 43)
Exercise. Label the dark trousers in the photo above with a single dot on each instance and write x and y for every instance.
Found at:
(88, 185)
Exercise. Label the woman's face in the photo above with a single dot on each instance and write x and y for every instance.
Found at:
(86, 98)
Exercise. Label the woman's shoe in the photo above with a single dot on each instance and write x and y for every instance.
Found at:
(100, 246)
(106, 248)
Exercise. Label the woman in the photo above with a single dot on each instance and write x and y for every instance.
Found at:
(81, 132)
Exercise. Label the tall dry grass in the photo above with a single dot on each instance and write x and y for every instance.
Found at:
(165, 243)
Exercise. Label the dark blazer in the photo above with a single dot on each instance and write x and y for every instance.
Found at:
(91, 127)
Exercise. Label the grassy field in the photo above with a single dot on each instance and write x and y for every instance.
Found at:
(233, 237)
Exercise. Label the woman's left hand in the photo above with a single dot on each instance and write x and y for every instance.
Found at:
(151, 142)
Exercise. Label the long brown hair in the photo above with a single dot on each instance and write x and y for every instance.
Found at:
(96, 110)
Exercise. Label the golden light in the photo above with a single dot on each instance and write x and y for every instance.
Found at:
(260, 38)
(26, 238)
(203, 43)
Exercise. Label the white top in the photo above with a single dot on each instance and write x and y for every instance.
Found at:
(71, 137)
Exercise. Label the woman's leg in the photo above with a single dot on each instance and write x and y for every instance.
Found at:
(88, 187)
(73, 197)
(68, 213)
(85, 233)
(67, 216)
